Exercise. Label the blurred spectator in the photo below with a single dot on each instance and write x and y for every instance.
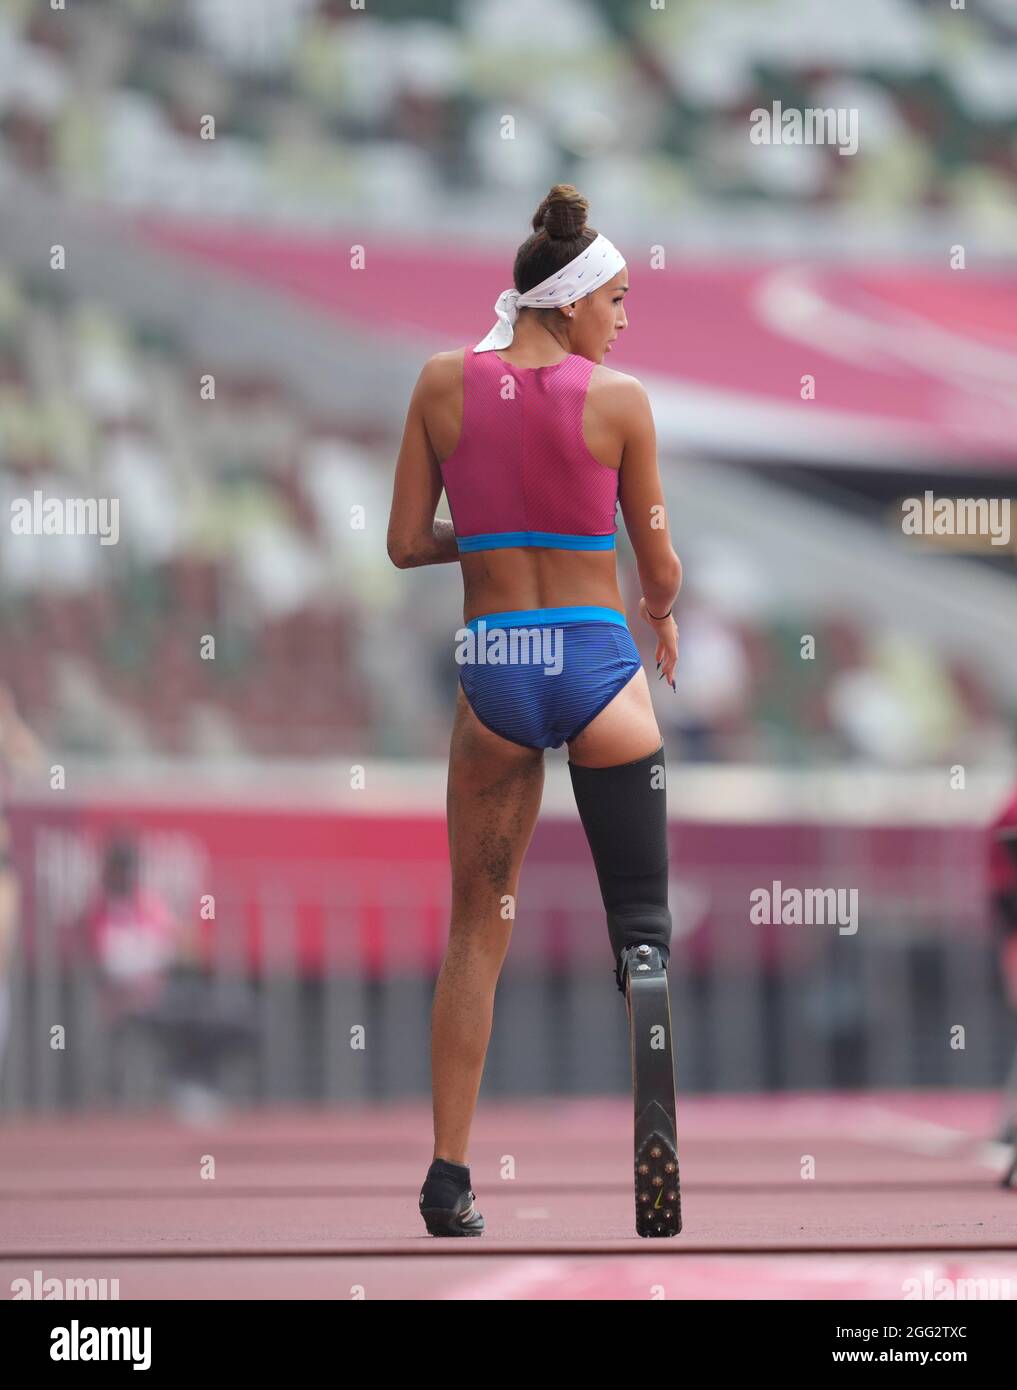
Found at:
(896, 704)
(157, 996)
(133, 936)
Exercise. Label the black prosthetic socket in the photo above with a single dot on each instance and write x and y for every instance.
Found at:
(624, 814)
(444, 1183)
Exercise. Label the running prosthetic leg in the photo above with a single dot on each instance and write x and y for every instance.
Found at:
(658, 1194)
(446, 1201)
(624, 814)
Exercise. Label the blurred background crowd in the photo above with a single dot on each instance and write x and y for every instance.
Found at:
(395, 106)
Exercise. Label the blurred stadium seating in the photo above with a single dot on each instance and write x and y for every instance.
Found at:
(320, 106)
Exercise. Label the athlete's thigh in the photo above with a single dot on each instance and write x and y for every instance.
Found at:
(623, 731)
(494, 791)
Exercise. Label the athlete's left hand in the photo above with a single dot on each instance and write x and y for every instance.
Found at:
(666, 653)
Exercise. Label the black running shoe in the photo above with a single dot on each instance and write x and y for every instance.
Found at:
(447, 1202)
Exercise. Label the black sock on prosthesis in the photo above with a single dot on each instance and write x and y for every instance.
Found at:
(624, 814)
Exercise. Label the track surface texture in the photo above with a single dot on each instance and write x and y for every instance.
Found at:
(320, 1205)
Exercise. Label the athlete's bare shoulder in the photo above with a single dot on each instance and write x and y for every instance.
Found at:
(617, 393)
(618, 381)
(442, 371)
(443, 361)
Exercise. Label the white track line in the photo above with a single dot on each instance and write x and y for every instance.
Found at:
(914, 1135)
(525, 1277)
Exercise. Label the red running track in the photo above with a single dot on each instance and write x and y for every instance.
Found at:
(323, 1204)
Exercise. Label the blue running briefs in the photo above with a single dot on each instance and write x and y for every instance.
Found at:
(538, 676)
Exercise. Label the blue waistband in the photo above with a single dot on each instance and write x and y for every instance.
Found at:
(546, 617)
(550, 540)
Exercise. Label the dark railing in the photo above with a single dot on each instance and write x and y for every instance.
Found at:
(318, 979)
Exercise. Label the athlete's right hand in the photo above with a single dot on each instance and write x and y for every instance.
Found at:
(666, 653)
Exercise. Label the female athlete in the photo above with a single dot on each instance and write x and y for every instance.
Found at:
(536, 443)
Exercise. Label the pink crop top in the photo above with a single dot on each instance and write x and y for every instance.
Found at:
(521, 473)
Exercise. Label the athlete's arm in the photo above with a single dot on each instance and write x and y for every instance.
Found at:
(641, 496)
(415, 536)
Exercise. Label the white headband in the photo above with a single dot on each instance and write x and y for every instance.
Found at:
(592, 268)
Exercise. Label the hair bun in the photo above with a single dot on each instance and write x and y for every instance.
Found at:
(562, 214)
